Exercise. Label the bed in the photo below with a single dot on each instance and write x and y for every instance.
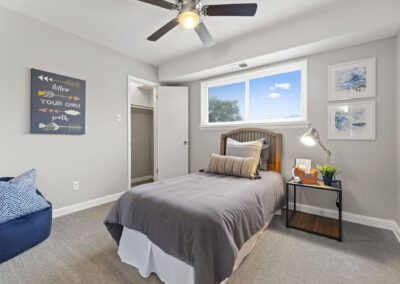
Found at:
(199, 227)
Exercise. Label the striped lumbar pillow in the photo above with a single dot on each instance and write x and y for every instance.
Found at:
(234, 166)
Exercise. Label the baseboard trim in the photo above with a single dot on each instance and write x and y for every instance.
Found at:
(396, 231)
(85, 205)
(351, 217)
(140, 179)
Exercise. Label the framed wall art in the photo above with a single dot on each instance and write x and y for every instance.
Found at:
(352, 121)
(352, 80)
(57, 104)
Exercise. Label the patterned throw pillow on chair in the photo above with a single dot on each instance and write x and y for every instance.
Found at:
(26, 181)
(18, 197)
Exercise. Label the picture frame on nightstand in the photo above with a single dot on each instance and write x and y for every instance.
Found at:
(304, 164)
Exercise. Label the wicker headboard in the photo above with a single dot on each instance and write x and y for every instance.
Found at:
(251, 134)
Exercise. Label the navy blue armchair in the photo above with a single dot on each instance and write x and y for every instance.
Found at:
(21, 234)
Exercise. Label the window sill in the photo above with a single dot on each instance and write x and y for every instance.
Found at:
(268, 125)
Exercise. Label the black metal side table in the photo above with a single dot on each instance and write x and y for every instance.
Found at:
(327, 227)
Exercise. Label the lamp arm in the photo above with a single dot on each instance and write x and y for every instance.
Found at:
(326, 150)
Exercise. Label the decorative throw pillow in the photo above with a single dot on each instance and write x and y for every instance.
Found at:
(244, 149)
(25, 181)
(265, 153)
(18, 197)
(234, 166)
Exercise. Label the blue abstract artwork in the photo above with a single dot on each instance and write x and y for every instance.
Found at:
(351, 79)
(351, 120)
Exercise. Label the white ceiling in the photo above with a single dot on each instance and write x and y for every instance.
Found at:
(124, 25)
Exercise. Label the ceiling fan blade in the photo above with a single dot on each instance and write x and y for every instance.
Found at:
(163, 30)
(204, 35)
(230, 10)
(161, 3)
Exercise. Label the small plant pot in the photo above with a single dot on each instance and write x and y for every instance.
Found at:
(328, 180)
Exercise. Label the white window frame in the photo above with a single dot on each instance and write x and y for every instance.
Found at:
(246, 77)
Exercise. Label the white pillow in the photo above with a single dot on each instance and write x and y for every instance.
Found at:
(244, 149)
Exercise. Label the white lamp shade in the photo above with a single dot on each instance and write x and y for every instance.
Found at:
(308, 140)
(311, 138)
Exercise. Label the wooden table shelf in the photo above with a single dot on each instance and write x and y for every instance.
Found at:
(315, 224)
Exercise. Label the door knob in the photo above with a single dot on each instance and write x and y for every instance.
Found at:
(185, 142)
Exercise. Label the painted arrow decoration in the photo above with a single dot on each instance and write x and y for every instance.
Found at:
(72, 112)
(50, 94)
(54, 126)
(47, 79)
(55, 110)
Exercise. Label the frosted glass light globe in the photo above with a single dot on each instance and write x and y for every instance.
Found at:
(189, 19)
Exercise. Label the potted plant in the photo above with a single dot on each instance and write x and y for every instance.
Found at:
(328, 173)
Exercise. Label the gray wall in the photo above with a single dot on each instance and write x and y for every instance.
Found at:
(398, 125)
(367, 167)
(142, 143)
(98, 159)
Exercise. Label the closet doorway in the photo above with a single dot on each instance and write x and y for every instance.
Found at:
(158, 131)
(141, 131)
(142, 146)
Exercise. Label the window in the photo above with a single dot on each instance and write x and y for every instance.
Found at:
(273, 95)
(227, 103)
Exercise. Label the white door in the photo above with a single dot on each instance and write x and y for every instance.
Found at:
(172, 132)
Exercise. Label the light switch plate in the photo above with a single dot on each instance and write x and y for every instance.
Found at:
(75, 185)
(119, 118)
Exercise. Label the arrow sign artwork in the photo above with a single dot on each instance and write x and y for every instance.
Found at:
(57, 104)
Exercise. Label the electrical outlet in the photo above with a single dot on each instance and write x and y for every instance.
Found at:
(75, 185)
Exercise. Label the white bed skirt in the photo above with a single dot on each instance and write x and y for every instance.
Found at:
(137, 250)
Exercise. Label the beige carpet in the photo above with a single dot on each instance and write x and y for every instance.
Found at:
(81, 251)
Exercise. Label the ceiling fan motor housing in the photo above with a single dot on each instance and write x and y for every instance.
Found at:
(189, 5)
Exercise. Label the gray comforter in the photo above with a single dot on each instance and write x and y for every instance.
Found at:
(201, 219)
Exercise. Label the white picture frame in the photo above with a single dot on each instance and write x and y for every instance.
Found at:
(352, 80)
(304, 164)
(352, 121)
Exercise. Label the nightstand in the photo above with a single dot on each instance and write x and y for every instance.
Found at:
(323, 226)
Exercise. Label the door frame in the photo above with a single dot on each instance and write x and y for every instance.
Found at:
(129, 134)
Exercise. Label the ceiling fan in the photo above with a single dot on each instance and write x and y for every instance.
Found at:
(190, 13)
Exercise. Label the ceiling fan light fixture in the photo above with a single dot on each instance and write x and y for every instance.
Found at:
(189, 19)
(191, 12)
